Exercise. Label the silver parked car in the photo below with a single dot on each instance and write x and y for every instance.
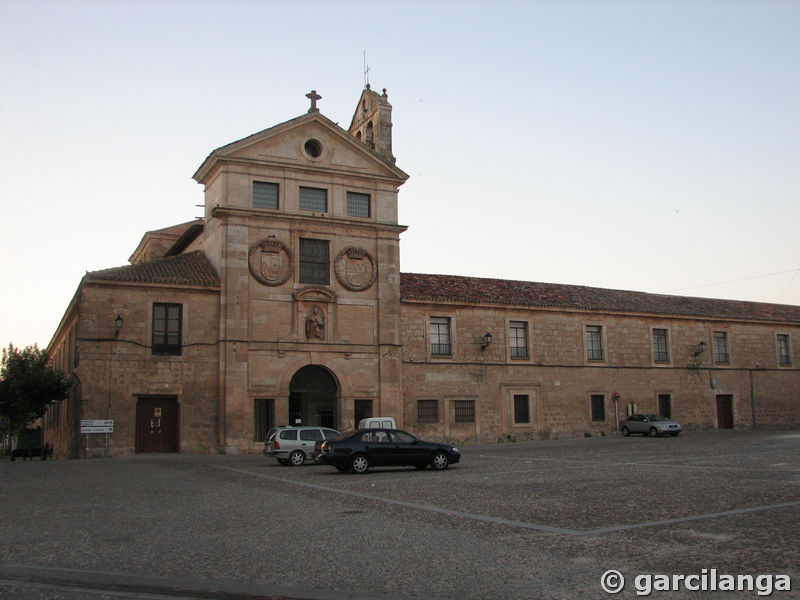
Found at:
(294, 445)
(652, 425)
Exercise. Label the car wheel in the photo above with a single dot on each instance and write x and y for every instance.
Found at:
(653, 432)
(297, 458)
(440, 461)
(626, 432)
(359, 464)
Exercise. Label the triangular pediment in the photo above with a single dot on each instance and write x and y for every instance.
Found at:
(311, 141)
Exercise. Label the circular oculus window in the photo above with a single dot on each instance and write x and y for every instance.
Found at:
(313, 148)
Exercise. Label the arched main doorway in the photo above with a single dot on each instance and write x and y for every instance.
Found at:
(313, 396)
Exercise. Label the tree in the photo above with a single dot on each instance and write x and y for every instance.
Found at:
(28, 385)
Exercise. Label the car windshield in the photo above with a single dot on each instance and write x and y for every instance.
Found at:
(345, 435)
(655, 418)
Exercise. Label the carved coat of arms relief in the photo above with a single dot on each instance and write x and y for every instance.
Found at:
(270, 261)
(355, 269)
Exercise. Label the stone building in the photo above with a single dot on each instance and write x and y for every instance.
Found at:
(285, 303)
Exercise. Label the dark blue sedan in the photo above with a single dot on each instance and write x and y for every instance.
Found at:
(357, 451)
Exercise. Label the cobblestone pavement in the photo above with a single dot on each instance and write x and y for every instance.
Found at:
(514, 521)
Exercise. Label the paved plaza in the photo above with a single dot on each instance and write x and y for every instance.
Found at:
(514, 521)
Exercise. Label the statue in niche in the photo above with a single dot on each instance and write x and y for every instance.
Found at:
(315, 324)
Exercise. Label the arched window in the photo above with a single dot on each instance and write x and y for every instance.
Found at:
(369, 141)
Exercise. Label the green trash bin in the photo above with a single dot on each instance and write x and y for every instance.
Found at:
(30, 443)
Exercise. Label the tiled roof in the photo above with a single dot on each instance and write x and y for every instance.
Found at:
(475, 290)
(187, 237)
(174, 231)
(191, 269)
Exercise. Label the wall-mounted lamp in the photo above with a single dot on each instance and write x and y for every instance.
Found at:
(699, 348)
(485, 340)
(118, 325)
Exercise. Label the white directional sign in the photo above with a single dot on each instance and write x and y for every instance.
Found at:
(97, 426)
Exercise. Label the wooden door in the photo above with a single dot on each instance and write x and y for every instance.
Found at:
(157, 424)
(724, 411)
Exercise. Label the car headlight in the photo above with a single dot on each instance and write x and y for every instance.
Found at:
(454, 449)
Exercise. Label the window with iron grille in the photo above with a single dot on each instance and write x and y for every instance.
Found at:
(440, 336)
(784, 358)
(521, 408)
(518, 335)
(313, 199)
(167, 323)
(594, 342)
(362, 409)
(427, 411)
(358, 205)
(263, 418)
(465, 411)
(721, 356)
(598, 407)
(265, 195)
(314, 262)
(665, 405)
(660, 346)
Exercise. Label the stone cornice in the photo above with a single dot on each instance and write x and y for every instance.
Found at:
(219, 212)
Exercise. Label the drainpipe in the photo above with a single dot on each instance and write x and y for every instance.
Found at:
(753, 396)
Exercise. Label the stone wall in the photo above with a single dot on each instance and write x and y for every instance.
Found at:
(114, 371)
(559, 381)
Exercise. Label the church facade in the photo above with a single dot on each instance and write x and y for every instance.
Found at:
(285, 304)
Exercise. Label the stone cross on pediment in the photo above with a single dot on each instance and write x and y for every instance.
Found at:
(313, 96)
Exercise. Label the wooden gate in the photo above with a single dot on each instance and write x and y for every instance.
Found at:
(156, 424)
(724, 411)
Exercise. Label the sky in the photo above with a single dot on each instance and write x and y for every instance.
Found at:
(637, 145)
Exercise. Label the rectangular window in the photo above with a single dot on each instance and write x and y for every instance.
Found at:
(518, 334)
(362, 409)
(167, 323)
(665, 405)
(465, 411)
(313, 199)
(314, 262)
(265, 195)
(660, 346)
(598, 407)
(784, 357)
(263, 418)
(358, 205)
(440, 336)
(521, 408)
(427, 411)
(594, 342)
(721, 356)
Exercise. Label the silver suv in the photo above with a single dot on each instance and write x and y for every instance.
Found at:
(294, 445)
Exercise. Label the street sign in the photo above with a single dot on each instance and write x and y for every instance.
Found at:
(97, 426)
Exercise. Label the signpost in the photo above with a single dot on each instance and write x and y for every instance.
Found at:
(96, 426)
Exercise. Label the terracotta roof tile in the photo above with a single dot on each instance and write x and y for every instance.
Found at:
(174, 231)
(192, 269)
(475, 290)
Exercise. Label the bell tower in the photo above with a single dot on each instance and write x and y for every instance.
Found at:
(372, 122)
